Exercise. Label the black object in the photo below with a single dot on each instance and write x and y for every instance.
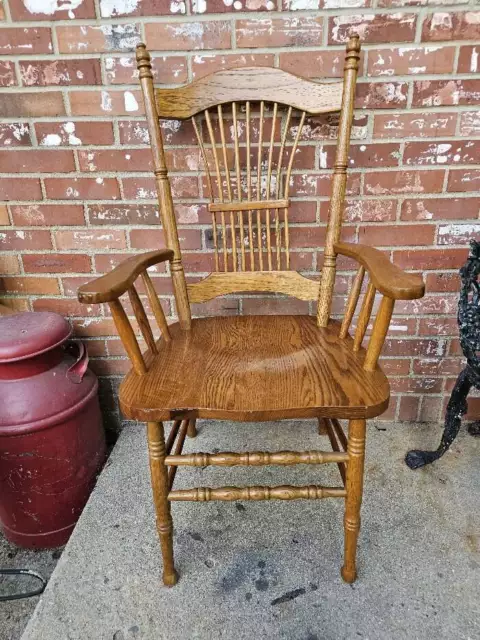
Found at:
(25, 594)
(469, 327)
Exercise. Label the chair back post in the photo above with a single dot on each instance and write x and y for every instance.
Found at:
(162, 182)
(327, 280)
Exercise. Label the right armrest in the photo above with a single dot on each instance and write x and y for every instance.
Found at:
(112, 285)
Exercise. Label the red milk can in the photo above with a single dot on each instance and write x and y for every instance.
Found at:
(52, 443)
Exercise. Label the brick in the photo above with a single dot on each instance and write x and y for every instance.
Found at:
(449, 234)
(93, 327)
(20, 189)
(154, 239)
(325, 127)
(33, 161)
(272, 306)
(106, 103)
(430, 409)
(430, 258)
(374, 155)
(410, 60)
(468, 61)
(370, 210)
(437, 326)
(469, 123)
(110, 214)
(7, 74)
(402, 235)
(414, 347)
(15, 134)
(416, 385)
(392, 27)
(16, 304)
(418, 125)
(381, 95)
(435, 305)
(279, 32)
(380, 183)
(91, 238)
(311, 184)
(21, 10)
(102, 39)
(40, 73)
(70, 133)
(315, 64)
(186, 36)
(451, 26)
(440, 153)
(18, 105)
(302, 211)
(82, 188)
(144, 188)
(436, 367)
(9, 264)
(464, 180)
(18, 240)
(166, 70)
(72, 284)
(220, 6)
(439, 93)
(408, 408)
(46, 215)
(443, 282)
(69, 307)
(31, 285)
(440, 208)
(4, 219)
(56, 263)
(110, 9)
(173, 132)
(203, 64)
(18, 41)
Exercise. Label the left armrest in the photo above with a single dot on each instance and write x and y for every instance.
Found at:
(386, 277)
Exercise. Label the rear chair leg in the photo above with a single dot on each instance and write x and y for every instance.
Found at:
(159, 478)
(192, 429)
(353, 501)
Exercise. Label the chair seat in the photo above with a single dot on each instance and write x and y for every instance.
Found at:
(255, 368)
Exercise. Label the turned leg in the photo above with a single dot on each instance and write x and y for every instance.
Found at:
(456, 408)
(353, 501)
(159, 477)
(192, 429)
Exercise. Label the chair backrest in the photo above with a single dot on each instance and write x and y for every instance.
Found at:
(248, 124)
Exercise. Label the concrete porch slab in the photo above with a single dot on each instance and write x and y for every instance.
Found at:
(271, 569)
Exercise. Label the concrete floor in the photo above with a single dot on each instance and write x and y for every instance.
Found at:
(14, 615)
(271, 569)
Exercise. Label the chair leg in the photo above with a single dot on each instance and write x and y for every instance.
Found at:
(322, 427)
(192, 429)
(159, 478)
(353, 501)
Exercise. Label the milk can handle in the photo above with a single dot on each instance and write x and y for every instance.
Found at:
(79, 368)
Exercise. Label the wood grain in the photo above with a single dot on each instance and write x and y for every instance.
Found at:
(385, 276)
(255, 368)
(255, 458)
(283, 492)
(252, 84)
(112, 285)
(289, 283)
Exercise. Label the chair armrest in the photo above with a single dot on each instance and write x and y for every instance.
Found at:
(113, 284)
(386, 277)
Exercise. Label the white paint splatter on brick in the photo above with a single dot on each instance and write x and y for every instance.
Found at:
(323, 158)
(106, 103)
(111, 8)
(69, 128)
(130, 101)
(50, 7)
(199, 6)
(441, 21)
(51, 140)
(474, 61)
(304, 5)
(177, 6)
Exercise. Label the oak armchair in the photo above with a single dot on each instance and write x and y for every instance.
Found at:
(248, 123)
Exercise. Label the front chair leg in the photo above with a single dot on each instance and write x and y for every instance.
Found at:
(159, 478)
(353, 501)
(192, 429)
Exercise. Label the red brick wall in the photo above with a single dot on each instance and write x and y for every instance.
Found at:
(74, 168)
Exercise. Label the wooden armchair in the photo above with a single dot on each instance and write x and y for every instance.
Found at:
(248, 123)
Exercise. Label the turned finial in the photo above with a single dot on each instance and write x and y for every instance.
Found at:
(352, 55)
(144, 64)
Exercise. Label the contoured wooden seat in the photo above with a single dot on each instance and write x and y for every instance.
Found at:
(255, 368)
(248, 124)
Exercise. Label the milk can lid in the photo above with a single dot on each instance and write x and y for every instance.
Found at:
(28, 334)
